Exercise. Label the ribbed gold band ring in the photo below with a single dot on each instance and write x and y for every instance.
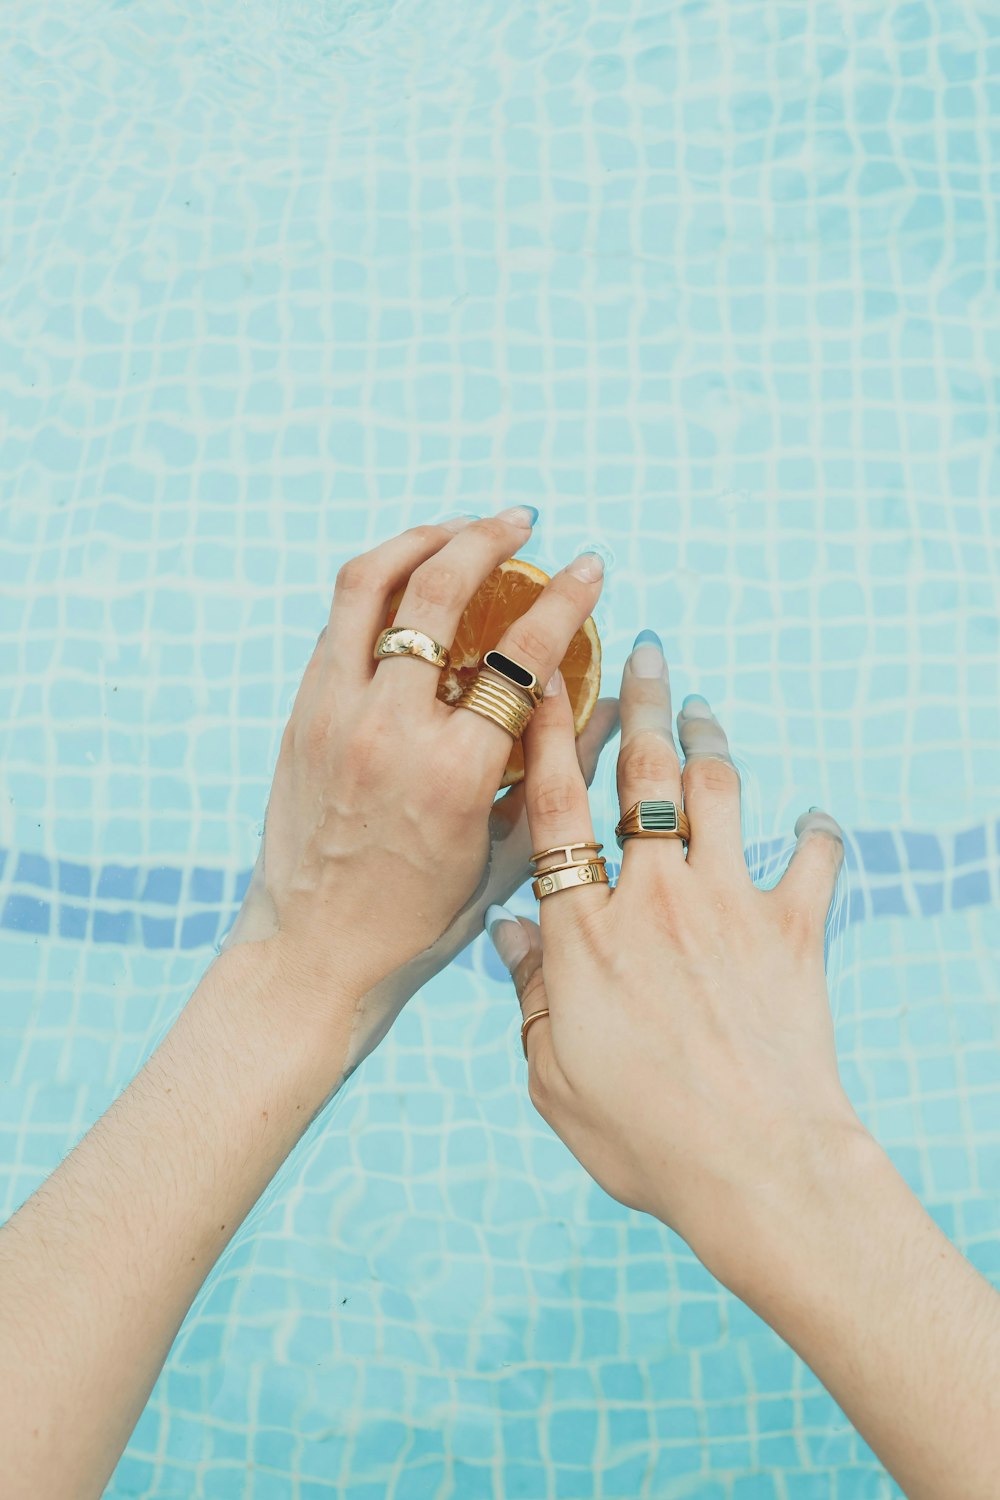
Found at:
(494, 700)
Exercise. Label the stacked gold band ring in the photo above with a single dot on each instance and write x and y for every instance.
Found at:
(652, 820)
(566, 877)
(504, 691)
(495, 700)
(400, 640)
(569, 872)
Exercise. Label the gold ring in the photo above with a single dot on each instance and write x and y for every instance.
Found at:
(400, 640)
(566, 850)
(536, 1015)
(513, 672)
(653, 820)
(495, 700)
(570, 877)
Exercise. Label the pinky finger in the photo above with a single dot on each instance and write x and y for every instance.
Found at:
(518, 942)
(810, 878)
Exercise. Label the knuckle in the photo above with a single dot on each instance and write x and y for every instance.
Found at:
(526, 639)
(494, 531)
(354, 576)
(363, 753)
(711, 774)
(798, 926)
(648, 756)
(427, 536)
(528, 984)
(438, 585)
(314, 738)
(554, 796)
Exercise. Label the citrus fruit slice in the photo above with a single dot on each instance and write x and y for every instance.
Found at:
(506, 594)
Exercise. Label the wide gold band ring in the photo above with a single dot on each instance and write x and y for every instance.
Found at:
(495, 700)
(526, 1025)
(653, 820)
(400, 640)
(570, 877)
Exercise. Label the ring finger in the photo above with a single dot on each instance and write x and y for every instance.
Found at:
(648, 763)
(440, 588)
(538, 641)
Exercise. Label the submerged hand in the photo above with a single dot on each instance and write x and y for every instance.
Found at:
(377, 829)
(688, 1060)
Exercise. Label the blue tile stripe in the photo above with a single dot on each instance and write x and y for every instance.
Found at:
(891, 872)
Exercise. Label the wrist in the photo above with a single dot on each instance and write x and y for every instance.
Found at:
(258, 993)
(791, 1231)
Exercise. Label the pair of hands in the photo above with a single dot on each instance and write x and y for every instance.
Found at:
(688, 1059)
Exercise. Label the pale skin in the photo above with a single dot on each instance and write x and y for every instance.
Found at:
(688, 1062)
(708, 1095)
(99, 1267)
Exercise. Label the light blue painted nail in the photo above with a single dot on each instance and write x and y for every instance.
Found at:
(696, 707)
(647, 638)
(507, 935)
(816, 808)
(519, 515)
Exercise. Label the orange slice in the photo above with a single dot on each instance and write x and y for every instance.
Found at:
(507, 594)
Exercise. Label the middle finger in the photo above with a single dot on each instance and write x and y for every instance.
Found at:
(648, 764)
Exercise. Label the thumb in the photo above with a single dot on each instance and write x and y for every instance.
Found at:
(518, 942)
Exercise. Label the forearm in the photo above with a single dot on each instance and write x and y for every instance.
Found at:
(900, 1328)
(100, 1266)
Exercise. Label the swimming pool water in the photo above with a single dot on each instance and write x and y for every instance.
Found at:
(712, 284)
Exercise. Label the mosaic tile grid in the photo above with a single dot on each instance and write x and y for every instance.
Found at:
(713, 285)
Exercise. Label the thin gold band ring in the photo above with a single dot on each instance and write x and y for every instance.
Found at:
(526, 1024)
(566, 850)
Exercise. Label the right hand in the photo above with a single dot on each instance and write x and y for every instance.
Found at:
(688, 1060)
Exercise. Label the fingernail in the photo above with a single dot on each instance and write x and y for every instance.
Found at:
(455, 523)
(815, 808)
(507, 936)
(588, 567)
(647, 655)
(519, 515)
(696, 707)
(647, 637)
(554, 685)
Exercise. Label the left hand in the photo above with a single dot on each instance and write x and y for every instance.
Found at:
(506, 870)
(378, 823)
